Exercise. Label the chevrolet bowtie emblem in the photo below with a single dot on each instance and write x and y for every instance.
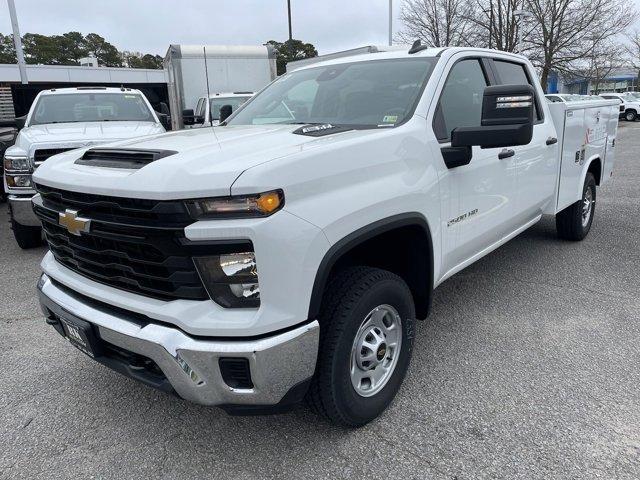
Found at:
(74, 224)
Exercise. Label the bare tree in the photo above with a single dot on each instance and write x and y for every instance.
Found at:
(605, 58)
(437, 23)
(495, 25)
(567, 32)
(633, 52)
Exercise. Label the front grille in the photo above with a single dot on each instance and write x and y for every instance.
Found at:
(135, 245)
(42, 154)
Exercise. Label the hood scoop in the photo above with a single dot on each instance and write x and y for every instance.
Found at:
(320, 129)
(130, 158)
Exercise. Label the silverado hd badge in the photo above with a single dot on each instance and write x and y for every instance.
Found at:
(462, 217)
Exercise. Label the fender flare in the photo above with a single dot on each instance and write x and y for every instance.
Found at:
(344, 245)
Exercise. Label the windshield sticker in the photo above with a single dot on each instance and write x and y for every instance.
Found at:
(390, 119)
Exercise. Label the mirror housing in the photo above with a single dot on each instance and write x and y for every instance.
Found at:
(507, 119)
(188, 118)
(225, 112)
(165, 120)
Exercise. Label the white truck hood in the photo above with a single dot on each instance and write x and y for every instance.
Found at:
(206, 163)
(91, 131)
(83, 134)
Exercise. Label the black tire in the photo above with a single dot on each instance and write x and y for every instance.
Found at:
(350, 296)
(630, 115)
(570, 222)
(26, 236)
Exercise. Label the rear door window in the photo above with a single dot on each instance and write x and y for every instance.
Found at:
(510, 73)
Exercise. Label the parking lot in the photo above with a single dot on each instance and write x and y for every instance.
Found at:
(528, 367)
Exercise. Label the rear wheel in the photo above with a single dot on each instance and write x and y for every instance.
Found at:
(366, 340)
(26, 236)
(630, 115)
(574, 222)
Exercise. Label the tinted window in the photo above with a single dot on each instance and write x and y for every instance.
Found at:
(375, 93)
(514, 74)
(460, 103)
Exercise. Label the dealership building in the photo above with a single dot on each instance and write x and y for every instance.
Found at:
(16, 97)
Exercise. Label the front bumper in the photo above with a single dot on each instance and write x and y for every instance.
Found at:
(279, 365)
(22, 211)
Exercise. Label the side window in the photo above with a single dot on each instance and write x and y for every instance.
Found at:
(460, 103)
(200, 108)
(510, 73)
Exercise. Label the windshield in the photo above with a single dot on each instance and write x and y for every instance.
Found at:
(218, 102)
(90, 107)
(629, 97)
(377, 93)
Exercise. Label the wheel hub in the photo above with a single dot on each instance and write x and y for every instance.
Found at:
(375, 350)
(587, 205)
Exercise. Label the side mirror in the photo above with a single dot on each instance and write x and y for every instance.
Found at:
(507, 119)
(164, 108)
(188, 118)
(225, 112)
(165, 120)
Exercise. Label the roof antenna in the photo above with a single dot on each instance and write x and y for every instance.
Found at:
(206, 74)
(417, 47)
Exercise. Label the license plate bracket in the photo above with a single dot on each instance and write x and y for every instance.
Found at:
(81, 335)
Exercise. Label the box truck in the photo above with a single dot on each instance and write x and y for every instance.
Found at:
(195, 71)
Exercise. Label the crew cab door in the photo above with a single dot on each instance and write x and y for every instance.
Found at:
(477, 199)
(536, 163)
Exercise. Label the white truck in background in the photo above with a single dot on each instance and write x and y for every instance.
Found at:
(63, 119)
(629, 104)
(208, 113)
(192, 75)
(286, 253)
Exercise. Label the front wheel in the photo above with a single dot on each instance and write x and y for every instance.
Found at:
(630, 115)
(366, 341)
(574, 222)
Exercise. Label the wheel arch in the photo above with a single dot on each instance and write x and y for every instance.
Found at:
(414, 226)
(595, 167)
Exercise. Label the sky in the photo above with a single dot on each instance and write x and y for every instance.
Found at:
(149, 26)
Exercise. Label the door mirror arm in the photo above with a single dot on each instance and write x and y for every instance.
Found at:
(456, 156)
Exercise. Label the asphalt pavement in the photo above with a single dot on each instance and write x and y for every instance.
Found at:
(528, 367)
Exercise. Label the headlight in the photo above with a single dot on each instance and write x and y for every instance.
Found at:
(16, 164)
(231, 279)
(239, 206)
(19, 181)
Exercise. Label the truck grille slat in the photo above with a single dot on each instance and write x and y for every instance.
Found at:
(42, 154)
(134, 245)
(131, 211)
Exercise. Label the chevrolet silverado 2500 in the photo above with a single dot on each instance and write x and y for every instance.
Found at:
(287, 252)
(63, 119)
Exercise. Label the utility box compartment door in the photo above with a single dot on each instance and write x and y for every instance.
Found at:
(583, 129)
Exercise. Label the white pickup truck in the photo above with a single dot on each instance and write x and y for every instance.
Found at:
(62, 119)
(286, 253)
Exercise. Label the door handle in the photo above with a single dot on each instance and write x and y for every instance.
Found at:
(552, 140)
(506, 153)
